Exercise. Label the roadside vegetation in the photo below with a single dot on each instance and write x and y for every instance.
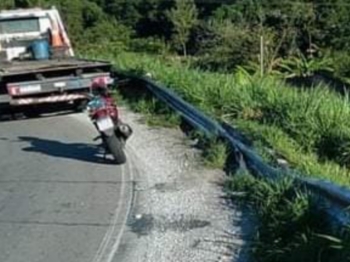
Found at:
(278, 118)
(307, 128)
(278, 71)
(291, 227)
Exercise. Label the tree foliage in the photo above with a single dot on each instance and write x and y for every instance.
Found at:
(183, 17)
(221, 34)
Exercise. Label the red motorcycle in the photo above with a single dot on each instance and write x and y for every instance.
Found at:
(113, 132)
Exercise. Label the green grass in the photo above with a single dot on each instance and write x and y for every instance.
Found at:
(286, 148)
(154, 112)
(290, 227)
(215, 154)
(309, 128)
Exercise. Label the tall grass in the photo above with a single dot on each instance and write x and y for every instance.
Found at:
(309, 128)
(290, 228)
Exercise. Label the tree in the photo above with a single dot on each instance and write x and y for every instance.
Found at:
(72, 14)
(92, 14)
(108, 32)
(124, 11)
(154, 20)
(7, 4)
(227, 45)
(183, 17)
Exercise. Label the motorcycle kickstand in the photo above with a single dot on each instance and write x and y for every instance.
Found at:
(105, 151)
(105, 155)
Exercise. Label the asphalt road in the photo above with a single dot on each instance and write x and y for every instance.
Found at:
(59, 200)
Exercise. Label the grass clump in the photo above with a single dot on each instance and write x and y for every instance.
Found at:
(215, 154)
(271, 137)
(155, 113)
(291, 228)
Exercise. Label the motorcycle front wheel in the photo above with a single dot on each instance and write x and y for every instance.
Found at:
(116, 148)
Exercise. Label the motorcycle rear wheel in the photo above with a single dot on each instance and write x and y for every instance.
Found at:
(116, 148)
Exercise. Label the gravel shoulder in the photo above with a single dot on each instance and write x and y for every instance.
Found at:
(179, 211)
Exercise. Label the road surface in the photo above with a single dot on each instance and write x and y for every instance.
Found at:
(59, 200)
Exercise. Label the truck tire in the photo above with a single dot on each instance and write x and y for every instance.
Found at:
(115, 146)
(31, 113)
(80, 105)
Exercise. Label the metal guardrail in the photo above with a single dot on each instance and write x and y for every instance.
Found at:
(333, 198)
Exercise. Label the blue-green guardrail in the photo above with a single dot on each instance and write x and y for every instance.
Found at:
(334, 199)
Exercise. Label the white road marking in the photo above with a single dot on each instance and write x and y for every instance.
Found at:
(119, 237)
(110, 244)
(103, 246)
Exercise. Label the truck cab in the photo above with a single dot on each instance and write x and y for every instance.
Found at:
(37, 61)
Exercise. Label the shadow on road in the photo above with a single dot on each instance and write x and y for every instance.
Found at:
(21, 116)
(77, 151)
(37, 111)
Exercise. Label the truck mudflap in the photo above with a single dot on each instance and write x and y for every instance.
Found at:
(47, 99)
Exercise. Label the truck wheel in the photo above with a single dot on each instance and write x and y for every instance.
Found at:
(31, 113)
(80, 105)
(115, 146)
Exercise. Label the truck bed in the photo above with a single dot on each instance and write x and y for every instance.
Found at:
(29, 67)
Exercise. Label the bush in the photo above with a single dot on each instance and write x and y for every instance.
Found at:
(227, 46)
(341, 64)
(107, 32)
(149, 45)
